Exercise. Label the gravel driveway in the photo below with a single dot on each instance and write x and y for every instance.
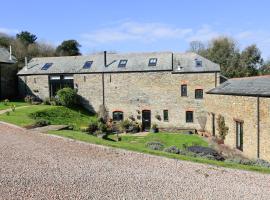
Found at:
(38, 166)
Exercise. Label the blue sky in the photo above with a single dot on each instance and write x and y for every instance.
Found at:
(139, 25)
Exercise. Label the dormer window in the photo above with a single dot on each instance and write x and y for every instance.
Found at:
(87, 64)
(46, 66)
(122, 63)
(198, 63)
(152, 62)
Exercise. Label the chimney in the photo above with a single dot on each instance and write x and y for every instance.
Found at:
(10, 53)
(105, 58)
(26, 63)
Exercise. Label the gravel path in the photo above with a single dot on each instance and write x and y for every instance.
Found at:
(38, 166)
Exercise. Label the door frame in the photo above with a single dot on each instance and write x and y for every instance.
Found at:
(143, 122)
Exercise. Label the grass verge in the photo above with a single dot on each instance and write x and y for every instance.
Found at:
(17, 103)
(136, 143)
(54, 114)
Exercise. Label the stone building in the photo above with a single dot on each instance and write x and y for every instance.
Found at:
(8, 78)
(245, 105)
(164, 88)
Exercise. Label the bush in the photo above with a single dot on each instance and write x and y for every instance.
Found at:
(6, 102)
(67, 97)
(222, 128)
(262, 163)
(124, 125)
(13, 107)
(205, 152)
(93, 127)
(42, 122)
(102, 127)
(172, 149)
(258, 162)
(103, 113)
(29, 99)
(155, 146)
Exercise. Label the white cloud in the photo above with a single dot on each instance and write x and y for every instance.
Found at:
(145, 33)
(142, 32)
(8, 30)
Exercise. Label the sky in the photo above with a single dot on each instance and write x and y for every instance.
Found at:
(139, 25)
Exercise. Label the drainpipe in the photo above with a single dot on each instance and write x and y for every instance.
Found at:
(172, 61)
(103, 84)
(258, 127)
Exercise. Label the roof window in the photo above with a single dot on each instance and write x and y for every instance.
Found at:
(87, 64)
(152, 62)
(46, 66)
(122, 63)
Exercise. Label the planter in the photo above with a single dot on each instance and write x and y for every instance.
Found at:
(154, 130)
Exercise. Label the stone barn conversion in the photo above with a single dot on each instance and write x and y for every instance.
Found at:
(245, 105)
(8, 71)
(164, 88)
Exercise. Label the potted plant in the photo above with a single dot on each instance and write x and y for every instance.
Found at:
(154, 128)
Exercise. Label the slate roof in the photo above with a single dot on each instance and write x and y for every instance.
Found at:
(135, 62)
(4, 56)
(249, 86)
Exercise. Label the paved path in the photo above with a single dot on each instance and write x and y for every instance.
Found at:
(38, 166)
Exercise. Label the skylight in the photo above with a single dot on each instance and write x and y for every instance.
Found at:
(87, 64)
(46, 66)
(152, 62)
(198, 63)
(122, 63)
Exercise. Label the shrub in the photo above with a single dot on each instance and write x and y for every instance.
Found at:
(262, 163)
(29, 99)
(222, 128)
(67, 97)
(155, 128)
(93, 127)
(172, 149)
(13, 107)
(124, 125)
(42, 122)
(7, 113)
(102, 127)
(155, 146)
(6, 102)
(205, 152)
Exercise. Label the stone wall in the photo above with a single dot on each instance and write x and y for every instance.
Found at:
(234, 108)
(37, 85)
(155, 91)
(134, 92)
(265, 128)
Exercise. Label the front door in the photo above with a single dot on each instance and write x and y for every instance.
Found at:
(146, 120)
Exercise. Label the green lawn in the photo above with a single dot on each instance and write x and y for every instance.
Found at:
(55, 114)
(17, 103)
(137, 143)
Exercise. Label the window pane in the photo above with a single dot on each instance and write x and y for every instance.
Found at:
(183, 90)
(118, 116)
(198, 94)
(189, 116)
(165, 115)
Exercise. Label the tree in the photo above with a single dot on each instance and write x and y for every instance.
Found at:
(265, 68)
(251, 60)
(196, 47)
(26, 37)
(68, 48)
(233, 63)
